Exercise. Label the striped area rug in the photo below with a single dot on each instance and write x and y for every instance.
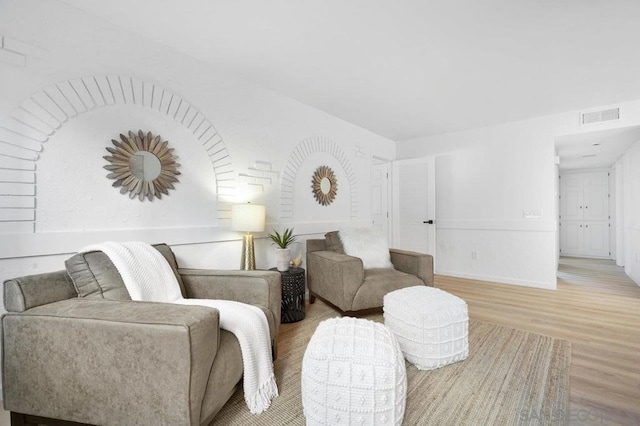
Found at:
(511, 377)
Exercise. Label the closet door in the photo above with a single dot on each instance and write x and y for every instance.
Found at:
(571, 238)
(584, 214)
(596, 196)
(571, 197)
(596, 239)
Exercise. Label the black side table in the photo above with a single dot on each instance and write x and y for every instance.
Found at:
(293, 282)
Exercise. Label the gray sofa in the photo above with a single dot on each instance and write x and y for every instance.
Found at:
(76, 348)
(342, 282)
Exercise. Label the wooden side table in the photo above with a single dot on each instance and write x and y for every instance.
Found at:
(293, 282)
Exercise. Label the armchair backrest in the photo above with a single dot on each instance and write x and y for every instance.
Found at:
(331, 242)
(316, 245)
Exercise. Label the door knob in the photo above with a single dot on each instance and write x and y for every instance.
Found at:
(430, 221)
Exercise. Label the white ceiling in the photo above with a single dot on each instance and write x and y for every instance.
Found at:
(408, 68)
(596, 149)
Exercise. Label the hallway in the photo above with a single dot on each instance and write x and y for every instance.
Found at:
(599, 275)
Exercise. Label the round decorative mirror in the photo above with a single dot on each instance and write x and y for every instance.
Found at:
(142, 165)
(324, 185)
(145, 166)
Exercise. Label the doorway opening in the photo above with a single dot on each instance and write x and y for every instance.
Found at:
(590, 194)
(597, 275)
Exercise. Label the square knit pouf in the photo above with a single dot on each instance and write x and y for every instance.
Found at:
(353, 373)
(431, 325)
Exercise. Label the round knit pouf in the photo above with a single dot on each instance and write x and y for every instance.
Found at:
(353, 373)
(431, 325)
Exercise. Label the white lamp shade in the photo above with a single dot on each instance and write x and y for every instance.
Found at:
(247, 217)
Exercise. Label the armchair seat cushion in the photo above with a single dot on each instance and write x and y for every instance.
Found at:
(377, 283)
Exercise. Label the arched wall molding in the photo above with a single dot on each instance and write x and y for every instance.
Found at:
(34, 121)
(302, 151)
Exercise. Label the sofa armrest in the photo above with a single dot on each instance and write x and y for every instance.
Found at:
(411, 262)
(335, 277)
(30, 291)
(109, 362)
(260, 288)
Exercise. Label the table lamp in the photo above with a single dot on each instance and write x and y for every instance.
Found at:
(247, 218)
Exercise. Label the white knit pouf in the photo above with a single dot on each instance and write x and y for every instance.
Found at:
(353, 373)
(431, 325)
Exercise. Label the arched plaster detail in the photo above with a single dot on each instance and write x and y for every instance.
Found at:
(34, 121)
(302, 151)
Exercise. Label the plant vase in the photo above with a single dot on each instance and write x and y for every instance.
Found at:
(283, 259)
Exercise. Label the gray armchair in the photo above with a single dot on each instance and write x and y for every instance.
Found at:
(77, 349)
(342, 282)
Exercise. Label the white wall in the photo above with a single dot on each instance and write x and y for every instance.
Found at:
(619, 213)
(630, 162)
(268, 139)
(485, 180)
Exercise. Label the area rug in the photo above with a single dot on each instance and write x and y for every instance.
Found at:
(511, 377)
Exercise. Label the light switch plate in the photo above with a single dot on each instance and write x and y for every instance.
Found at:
(532, 214)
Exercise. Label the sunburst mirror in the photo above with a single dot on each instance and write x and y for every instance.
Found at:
(142, 165)
(324, 185)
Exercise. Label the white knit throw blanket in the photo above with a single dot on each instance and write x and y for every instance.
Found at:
(149, 277)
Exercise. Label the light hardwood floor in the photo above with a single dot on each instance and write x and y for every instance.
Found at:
(596, 307)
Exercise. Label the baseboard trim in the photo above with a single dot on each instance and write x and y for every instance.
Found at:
(500, 280)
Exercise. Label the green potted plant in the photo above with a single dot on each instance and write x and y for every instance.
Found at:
(283, 253)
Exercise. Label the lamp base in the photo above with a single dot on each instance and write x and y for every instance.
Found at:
(248, 260)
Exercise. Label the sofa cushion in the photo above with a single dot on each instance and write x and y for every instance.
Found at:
(95, 276)
(334, 243)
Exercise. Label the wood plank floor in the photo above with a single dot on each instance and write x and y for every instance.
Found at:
(596, 307)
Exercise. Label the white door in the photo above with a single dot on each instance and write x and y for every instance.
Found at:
(571, 203)
(380, 197)
(584, 214)
(414, 205)
(572, 237)
(596, 239)
(596, 194)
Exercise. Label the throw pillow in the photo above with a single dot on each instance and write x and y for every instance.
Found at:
(95, 276)
(369, 244)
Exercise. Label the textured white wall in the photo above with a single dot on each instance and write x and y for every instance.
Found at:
(261, 130)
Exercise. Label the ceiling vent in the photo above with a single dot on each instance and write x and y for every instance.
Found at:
(598, 116)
